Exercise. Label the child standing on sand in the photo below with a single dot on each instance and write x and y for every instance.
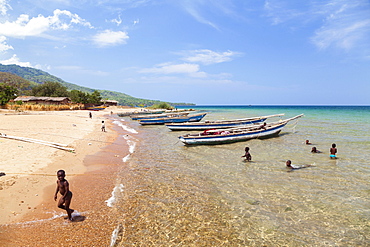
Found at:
(63, 188)
(102, 126)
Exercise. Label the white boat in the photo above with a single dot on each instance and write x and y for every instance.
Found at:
(219, 124)
(229, 135)
(177, 119)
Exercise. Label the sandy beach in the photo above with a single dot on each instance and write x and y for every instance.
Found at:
(27, 207)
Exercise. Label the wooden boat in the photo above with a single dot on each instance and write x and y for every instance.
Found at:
(219, 124)
(96, 108)
(178, 119)
(136, 113)
(229, 135)
(162, 115)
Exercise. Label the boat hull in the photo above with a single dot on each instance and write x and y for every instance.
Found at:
(194, 118)
(205, 126)
(223, 139)
(159, 116)
(220, 124)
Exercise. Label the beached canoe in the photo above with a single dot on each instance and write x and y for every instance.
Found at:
(229, 135)
(178, 119)
(136, 113)
(162, 115)
(219, 124)
(96, 108)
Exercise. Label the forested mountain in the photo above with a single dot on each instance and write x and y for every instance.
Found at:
(25, 78)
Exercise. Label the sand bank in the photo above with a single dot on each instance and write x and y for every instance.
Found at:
(31, 167)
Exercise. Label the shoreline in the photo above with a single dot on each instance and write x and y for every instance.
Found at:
(91, 172)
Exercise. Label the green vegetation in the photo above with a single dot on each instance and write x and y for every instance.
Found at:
(55, 89)
(85, 98)
(162, 105)
(7, 93)
(30, 77)
(50, 89)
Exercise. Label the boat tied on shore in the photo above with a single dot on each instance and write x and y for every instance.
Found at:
(176, 119)
(230, 135)
(219, 124)
(162, 115)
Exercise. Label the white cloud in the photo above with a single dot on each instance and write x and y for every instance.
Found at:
(3, 45)
(36, 26)
(4, 7)
(117, 21)
(346, 26)
(341, 36)
(207, 57)
(15, 60)
(167, 68)
(110, 38)
(343, 24)
(279, 11)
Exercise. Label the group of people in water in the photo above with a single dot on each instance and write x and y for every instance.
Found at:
(333, 155)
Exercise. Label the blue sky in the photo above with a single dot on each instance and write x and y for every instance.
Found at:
(235, 52)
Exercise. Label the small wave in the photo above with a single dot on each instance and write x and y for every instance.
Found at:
(110, 202)
(125, 127)
(116, 235)
(126, 158)
(55, 216)
(130, 143)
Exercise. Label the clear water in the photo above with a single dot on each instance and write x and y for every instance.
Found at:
(176, 195)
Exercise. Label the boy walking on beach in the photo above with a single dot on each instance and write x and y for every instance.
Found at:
(102, 126)
(63, 188)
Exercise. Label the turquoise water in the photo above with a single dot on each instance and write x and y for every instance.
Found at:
(176, 195)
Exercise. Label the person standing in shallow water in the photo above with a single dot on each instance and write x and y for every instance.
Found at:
(333, 151)
(247, 155)
(63, 189)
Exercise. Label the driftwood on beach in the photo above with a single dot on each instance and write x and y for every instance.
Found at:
(46, 143)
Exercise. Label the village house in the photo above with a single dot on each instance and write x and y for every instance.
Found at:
(110, 102)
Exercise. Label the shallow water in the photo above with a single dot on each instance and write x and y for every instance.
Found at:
(176, 195)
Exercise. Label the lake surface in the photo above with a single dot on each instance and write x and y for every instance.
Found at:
(169, 194)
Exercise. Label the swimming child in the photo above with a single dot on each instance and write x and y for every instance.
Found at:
(314, 150)
(247, 155)
(295, 167)
(63, 188)
(308, 142)
(333, 151)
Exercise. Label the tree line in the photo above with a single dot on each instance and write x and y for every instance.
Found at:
(50, 89)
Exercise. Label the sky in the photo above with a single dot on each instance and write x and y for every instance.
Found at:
(207, 52)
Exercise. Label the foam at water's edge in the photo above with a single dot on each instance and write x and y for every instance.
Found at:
(130, 143)
(126, 158)
(110, 202)
(116, 235)
(125, 127)
(55, 216)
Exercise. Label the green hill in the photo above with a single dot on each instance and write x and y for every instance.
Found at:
(25, 78)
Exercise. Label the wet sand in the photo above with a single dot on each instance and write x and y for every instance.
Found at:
(33, 220)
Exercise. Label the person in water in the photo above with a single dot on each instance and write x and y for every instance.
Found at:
(63, 189)
(314, 150)
(247, 155)
(333, 151)
(308, 142)
(295, 167)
